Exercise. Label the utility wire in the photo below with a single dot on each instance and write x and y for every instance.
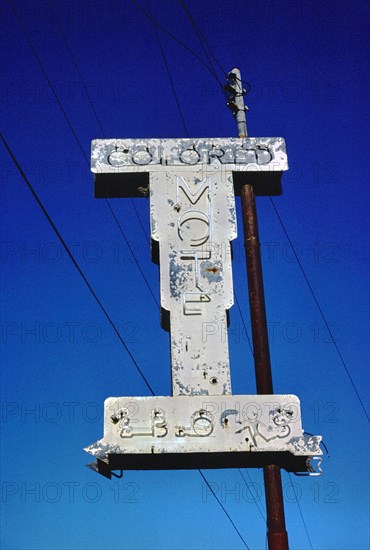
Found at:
(313, 294)
(202, 41)
(300, 511)
(48, 80)
(155, 25)
(73, 259)
(43, 70)
(76, 66)
(177, 40)
(309, 284)
(75, 135)
(212, 70)
(206, 48)
(99, 122)
(140, 222)
(88, 96)
(107, 202)
(132, 252)
(224, 509)
(197, 33)
(244, 325)
(187, 134)
(84, 278)
(254, 500)
(183, 3)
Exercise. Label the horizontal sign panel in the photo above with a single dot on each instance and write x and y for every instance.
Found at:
(233, 154)
(201, 424)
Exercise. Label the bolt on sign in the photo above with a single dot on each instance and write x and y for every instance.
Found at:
(192, 185)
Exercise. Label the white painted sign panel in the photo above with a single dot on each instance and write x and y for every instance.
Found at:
(192, 184)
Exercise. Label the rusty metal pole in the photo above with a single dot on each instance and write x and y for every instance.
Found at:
(276, 532)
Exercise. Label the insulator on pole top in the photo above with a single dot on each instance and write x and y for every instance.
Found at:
(235, 102)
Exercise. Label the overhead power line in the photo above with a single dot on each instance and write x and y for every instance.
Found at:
(323, 316)
(74, 133)
(300, 265)
(300, 511)
(112, 212)
(132, 252)
(202, 41)
(155, 25)
(179, 108)
(76, 66)
(84, 278)
(43, 70)
(208, 51)
(223, 508)
(204, 46)
(171, 35)
(90, 101)
(250, 491)
(73, 259)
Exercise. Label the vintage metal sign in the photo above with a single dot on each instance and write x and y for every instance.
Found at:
(192, 185)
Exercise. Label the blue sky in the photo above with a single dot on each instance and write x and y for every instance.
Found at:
(60, 359)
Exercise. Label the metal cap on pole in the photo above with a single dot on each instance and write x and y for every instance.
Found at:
(234, 86)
